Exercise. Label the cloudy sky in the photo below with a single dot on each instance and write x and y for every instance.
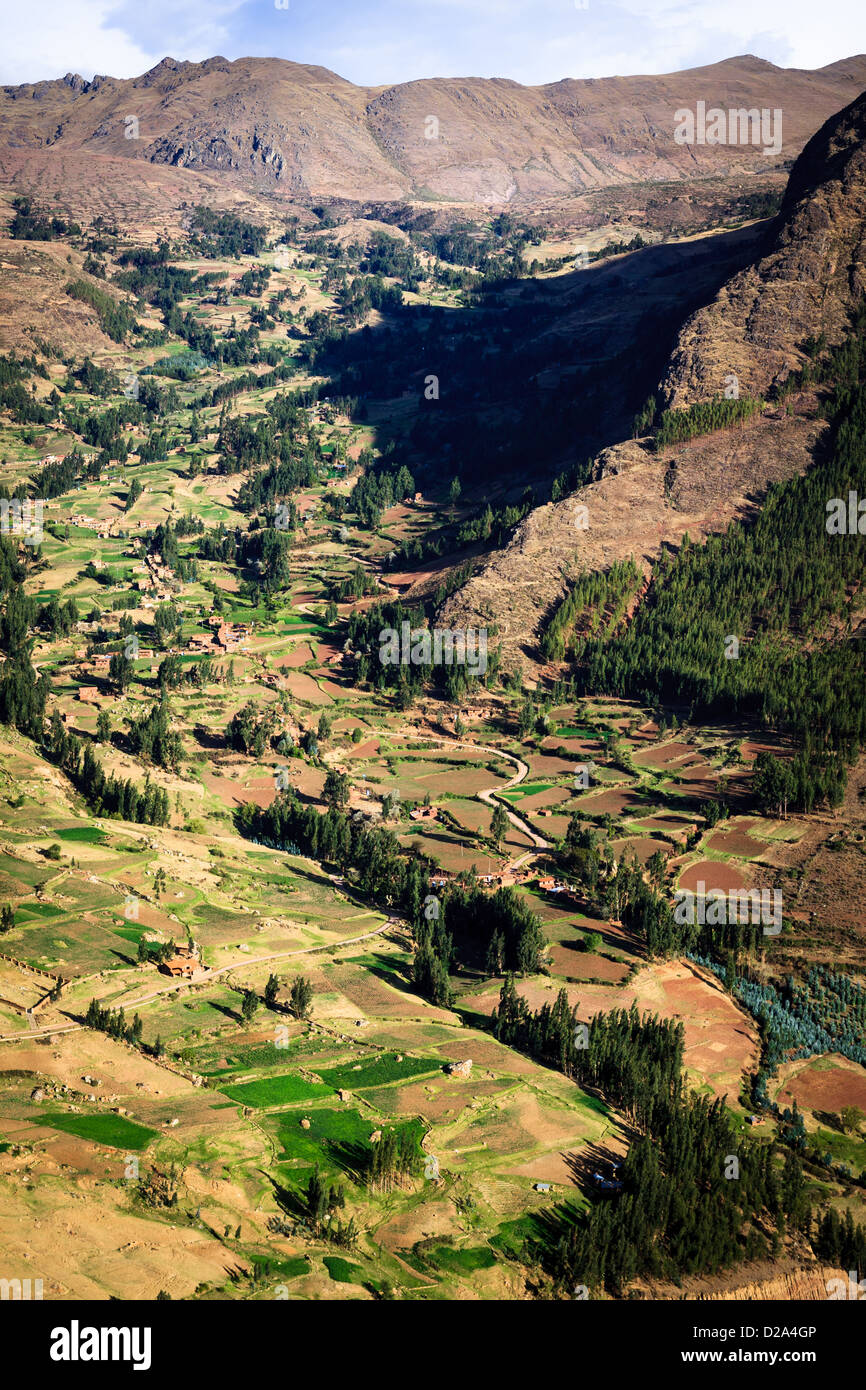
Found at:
(382, 41)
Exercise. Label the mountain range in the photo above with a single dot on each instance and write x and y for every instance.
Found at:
(300, 131)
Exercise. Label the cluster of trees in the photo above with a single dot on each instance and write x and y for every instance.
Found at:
(839, 1242)
(152, 736)
(321, 1202)
(113, 1022)
(173, 672)
(151, 276)
(621, 891)
(356, 298)
(250, 728)
(57, 478)
(149, 953)
(826, 1012)
(33, 223)
(394, 1158)
(803, 782)
(116, 319)
(105, 795)
(385, 872)
(488, 525)
(300, 995)
(783, 577)
(468, 927)
(388, 255)
(491, 931)
(598, 600)
(676, 426)
(23, 695)
(219, 234)
(14, 396)
(692, 1193)
(356, 584)
(452, 677)
(164, 540)
(377, 490)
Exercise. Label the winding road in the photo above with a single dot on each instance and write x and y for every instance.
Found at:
(489, 794)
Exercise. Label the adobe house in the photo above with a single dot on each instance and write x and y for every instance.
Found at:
(183, 964)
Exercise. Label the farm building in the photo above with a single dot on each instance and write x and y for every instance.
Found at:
(183, 964)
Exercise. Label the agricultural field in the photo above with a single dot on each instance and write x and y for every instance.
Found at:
(313, 962)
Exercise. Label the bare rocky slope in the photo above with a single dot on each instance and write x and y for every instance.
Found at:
(803, 284)
(298, 130)
(806, 285)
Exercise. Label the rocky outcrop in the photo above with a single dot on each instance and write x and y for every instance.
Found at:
(802, 284)
(268, 123)
(806, 284)
(803, 1285)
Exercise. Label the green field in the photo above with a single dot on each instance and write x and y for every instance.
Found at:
(378, 1071)
(277, 1090)
(115, 1131)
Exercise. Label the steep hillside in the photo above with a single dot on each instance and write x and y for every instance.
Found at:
(806, 285)
(641, 499)
(302, 130)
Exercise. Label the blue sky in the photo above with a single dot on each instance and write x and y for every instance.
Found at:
(374, 42)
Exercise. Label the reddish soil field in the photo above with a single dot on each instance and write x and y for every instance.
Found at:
(325, 650)
(817, 1088)
(586, 747)
(660, 757)
(750, 749)
(465, 781)
(554, 797)
(669, 823)
(298, 657)
(644, 846)
(551, 827)
(261, 790)
(328, 686)
(713, 874)
(362, 750)
(230, 791)
(698, 771)
(475, 816)
(547, 765)
(452, 856)
(736, 842)
(614, 801)
(378, 1000)
(303, 687)
(585, 965)
(308, 780)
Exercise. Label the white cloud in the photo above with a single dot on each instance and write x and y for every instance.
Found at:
(397, 40)
(53, 38)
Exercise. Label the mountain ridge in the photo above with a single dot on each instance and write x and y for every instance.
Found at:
(302, 130)
(803, 283)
